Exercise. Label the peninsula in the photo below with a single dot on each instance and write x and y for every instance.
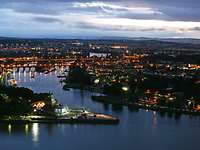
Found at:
(22, 105)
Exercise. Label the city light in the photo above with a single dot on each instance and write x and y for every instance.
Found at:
(125, 88)
(96, 81)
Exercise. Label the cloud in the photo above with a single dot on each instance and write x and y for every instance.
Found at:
(101, 17)
(175, 10)
(195, 29)
(109, 7)
(47, 20)
(108, 27)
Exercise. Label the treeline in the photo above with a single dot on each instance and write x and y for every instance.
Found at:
(79, 75)
(18, 100)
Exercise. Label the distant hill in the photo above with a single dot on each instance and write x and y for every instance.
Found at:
(176, 40)
(184, 40)
(138, 42)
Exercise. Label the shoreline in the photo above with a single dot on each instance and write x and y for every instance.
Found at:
(44, 108)
(109, 100)
(69, 86)
(98, 119)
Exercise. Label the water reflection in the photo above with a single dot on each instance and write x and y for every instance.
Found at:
(117, 108)
(26, 129)
(9, 128)
(133, 109)
(154, 120)
(14, 128)
(19, 77)
(23, 129)
(35, 132)
(106, 106)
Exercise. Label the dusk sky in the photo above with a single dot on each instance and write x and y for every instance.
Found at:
(85, 18)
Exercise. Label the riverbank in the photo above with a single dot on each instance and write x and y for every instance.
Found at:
(68, 86)
(92, 118)
(17, 102)
(120, 102)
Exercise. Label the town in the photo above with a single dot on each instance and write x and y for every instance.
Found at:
(162, 76)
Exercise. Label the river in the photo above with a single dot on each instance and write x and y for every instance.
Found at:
(139, 130)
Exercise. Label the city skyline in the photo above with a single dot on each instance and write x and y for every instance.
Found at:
(92, 18)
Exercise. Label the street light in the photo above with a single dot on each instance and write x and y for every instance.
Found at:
(96, 81)
(125, 88)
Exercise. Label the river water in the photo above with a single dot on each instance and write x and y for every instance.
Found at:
(139, 130)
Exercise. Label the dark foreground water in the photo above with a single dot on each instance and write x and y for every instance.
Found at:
(137, 130)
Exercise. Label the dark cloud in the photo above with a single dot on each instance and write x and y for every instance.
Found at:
(180, 10)
(47, 20)
(115, 28)
(153, 29)
(64, 12)
(195, 29)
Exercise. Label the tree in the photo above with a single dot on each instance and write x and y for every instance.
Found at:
(115, 88)
(79, 75)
